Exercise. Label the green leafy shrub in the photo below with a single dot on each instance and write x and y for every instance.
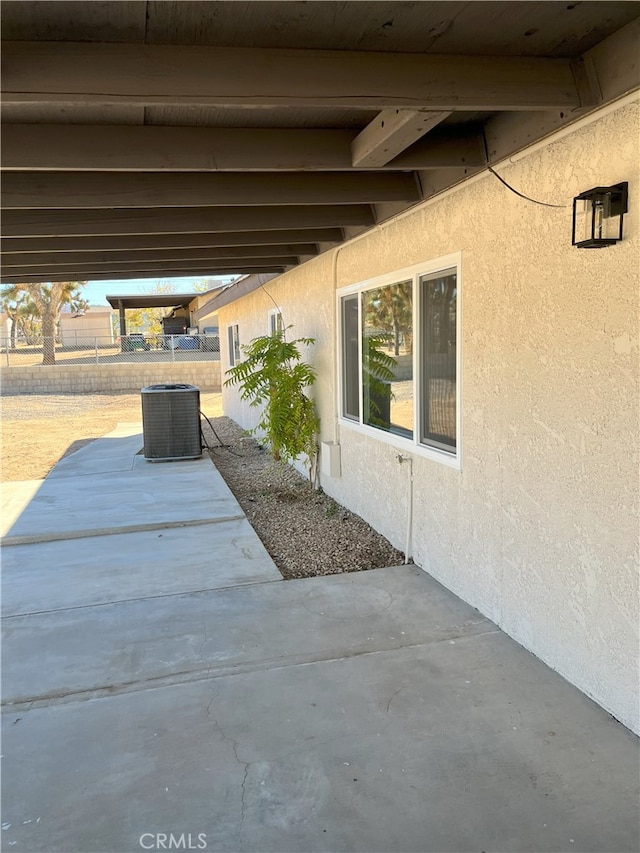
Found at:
(272, 375)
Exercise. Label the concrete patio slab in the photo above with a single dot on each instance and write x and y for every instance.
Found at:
(167, 684)
(145, 496)
(68, 573)
(16, 496)
(470, 745)
(70, 654)
(115, 452)
(104, 455)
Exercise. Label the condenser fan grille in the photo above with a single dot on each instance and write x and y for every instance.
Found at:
(171, 422)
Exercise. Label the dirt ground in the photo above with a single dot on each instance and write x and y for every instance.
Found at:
(38, 430)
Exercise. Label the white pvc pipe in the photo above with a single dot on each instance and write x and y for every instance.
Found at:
(407, 550)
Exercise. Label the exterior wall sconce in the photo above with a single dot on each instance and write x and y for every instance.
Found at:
(597, 216)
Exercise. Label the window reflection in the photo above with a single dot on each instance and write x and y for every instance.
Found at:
(387, 358)
(350, 360)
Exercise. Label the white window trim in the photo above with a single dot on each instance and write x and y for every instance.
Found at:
(231, 359)
(274, 313)
(452, 460)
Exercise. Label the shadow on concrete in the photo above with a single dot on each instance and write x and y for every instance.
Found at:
(77, 445)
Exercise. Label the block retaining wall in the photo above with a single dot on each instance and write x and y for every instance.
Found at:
(83, 379)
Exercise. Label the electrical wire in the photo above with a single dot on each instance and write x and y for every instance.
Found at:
(284, 328)
(221, 444)
(522, 195)
(270, 297)
(507, 185)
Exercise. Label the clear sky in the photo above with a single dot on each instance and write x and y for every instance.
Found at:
(96, 291)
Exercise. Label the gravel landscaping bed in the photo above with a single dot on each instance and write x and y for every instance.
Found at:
(306, 533)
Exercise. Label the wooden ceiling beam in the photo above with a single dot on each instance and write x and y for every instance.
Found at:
(611, 67)
(95, 190)
(87, 269)
(12, 260)
(169, 242)
(240, 269)
(68, 147)
(61, 223)
(146, 74)
(390, 132)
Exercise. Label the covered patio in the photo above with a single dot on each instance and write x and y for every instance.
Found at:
(161, 679)
(175, 302)
(161, 682)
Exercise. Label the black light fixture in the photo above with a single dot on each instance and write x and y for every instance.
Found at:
(597, 216)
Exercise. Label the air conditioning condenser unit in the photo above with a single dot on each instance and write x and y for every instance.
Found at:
(171, 422)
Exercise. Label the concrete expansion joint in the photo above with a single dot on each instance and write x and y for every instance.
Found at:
(211, 672)
(33, 539)
(103, 691)
(181, 593)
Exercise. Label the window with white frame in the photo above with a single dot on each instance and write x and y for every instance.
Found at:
(233, 339)
(275, 321)
(399, 356)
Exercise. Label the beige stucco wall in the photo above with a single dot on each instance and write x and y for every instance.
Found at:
(539, 528)
(91, 378)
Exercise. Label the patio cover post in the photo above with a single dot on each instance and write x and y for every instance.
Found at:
(123, 324)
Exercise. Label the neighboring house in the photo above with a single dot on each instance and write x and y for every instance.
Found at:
(83, 329)
(183, 310)
(206, 317)
(504, 452)
(203, 310)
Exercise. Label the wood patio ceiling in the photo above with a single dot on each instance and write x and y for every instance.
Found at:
(147, 139)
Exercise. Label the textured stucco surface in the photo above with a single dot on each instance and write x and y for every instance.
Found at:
(539, 528)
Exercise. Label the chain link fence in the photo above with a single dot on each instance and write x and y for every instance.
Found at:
(134, 348)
